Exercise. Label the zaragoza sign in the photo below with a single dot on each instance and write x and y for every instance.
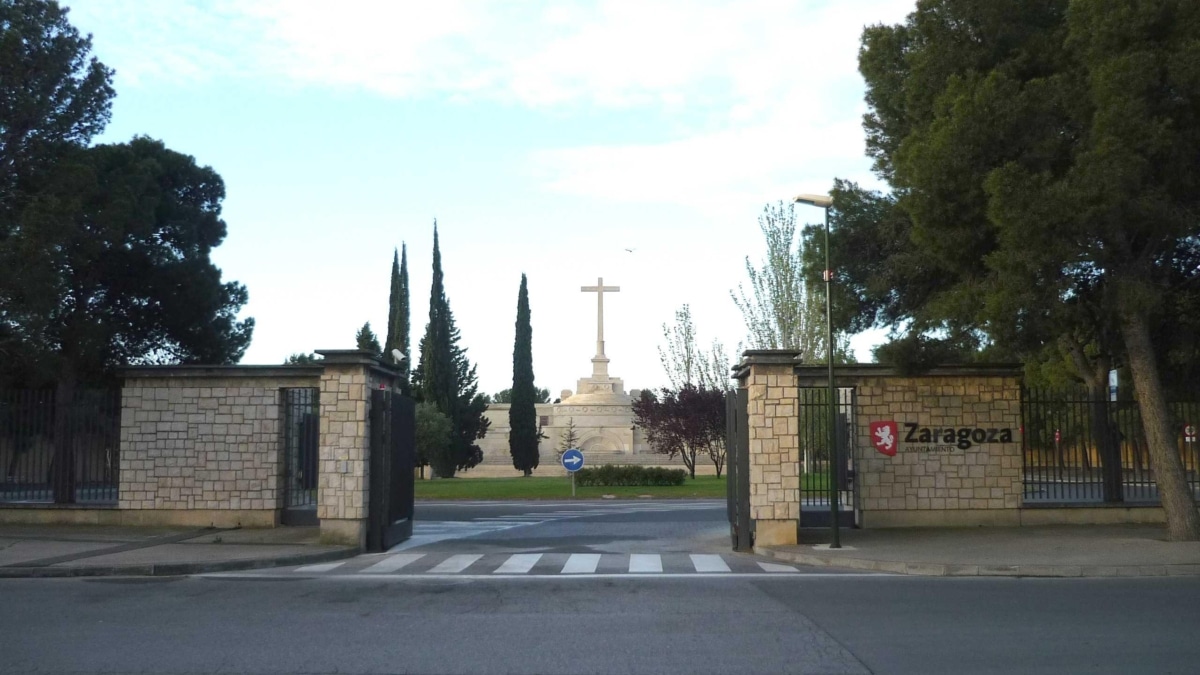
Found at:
(885, 436)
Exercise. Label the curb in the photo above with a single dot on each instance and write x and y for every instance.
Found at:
(927, 569)
(176, 569)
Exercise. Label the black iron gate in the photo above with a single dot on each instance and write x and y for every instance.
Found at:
(65, 454)
(301, 440)
(393, 445)
(815, 474)
(737, 470)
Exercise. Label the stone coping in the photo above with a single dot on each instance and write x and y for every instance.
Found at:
(857, 370)
(791, 357)
(180, 371)
(341, 357)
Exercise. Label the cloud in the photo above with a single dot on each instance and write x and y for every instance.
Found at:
(736, 56)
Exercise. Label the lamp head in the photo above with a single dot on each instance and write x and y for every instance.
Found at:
(823, 201)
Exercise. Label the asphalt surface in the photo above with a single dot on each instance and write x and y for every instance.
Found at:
(798, 624)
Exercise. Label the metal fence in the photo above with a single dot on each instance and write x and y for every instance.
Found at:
(69, 460)
(813, 431)
(301, 429)
(1079, 449)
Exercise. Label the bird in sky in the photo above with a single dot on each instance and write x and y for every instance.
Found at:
(629, 250)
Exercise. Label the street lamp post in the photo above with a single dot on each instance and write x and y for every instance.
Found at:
(824, 202)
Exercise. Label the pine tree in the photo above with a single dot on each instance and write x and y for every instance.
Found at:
(366, 339)
(522, 414)
(398, 316)
(569, 437)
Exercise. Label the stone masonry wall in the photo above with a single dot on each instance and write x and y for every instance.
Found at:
(926, 483)
(774, 445)
(342, 486)
(202, 443)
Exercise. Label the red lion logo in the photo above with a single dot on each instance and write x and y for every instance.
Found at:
(885, 436)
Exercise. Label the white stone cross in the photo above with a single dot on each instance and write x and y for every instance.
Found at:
(600, 289)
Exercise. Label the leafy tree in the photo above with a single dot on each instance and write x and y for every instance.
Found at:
(55, 96)
(1042, 160)
(686, 362)
(782, 311)
(522, 414)
(366, 339)
(434, 440)
(446, 378)
(569, 438)
(505, 396)
(687, 422)
(301, 359)
(398, 317)
(111, 266)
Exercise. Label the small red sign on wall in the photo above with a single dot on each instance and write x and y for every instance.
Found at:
(885, 436)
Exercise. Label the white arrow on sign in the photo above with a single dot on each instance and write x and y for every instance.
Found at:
(573, 460)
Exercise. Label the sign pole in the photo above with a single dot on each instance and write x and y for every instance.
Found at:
(572, 461)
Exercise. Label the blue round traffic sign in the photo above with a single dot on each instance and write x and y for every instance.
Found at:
(572, 460)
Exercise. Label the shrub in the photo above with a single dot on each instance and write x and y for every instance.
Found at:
(628, 476)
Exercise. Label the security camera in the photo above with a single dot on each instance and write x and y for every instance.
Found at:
(398, 356)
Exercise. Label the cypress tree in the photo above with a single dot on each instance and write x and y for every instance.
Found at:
(522, 413)
(404, 319)
(447, 379)
(398, 316)
(389, 343)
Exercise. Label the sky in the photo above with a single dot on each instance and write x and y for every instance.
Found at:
(545, 138)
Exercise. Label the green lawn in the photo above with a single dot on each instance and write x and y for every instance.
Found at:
(537, 487)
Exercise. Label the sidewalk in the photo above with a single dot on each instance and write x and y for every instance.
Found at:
(86, 550)
(1046, 551)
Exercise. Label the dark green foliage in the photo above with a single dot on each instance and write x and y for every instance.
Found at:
(446, 378)
(634, 476)
(110, 266)
(302, 360)
(1042, 155)
(366, 339)
(505, 396)
(523, 436)
(398, 317)
(434, 440)
(55, 97)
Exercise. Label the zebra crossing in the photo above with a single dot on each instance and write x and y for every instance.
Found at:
(429, 532)
(501, 565)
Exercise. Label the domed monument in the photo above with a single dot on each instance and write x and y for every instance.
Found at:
(599, 410)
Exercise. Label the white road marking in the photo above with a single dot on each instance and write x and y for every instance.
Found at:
(322, 567)
(645, 563)
(455, 563)
(581, 563)
(772, 567)
(519, 563)
(393, 563)
(707, 563)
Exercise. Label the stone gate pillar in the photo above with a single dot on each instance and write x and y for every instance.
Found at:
(342, 498)
(768, 377)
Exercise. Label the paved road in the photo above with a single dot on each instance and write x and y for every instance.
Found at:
(695, 625)
(496, 589)
(539, 539)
